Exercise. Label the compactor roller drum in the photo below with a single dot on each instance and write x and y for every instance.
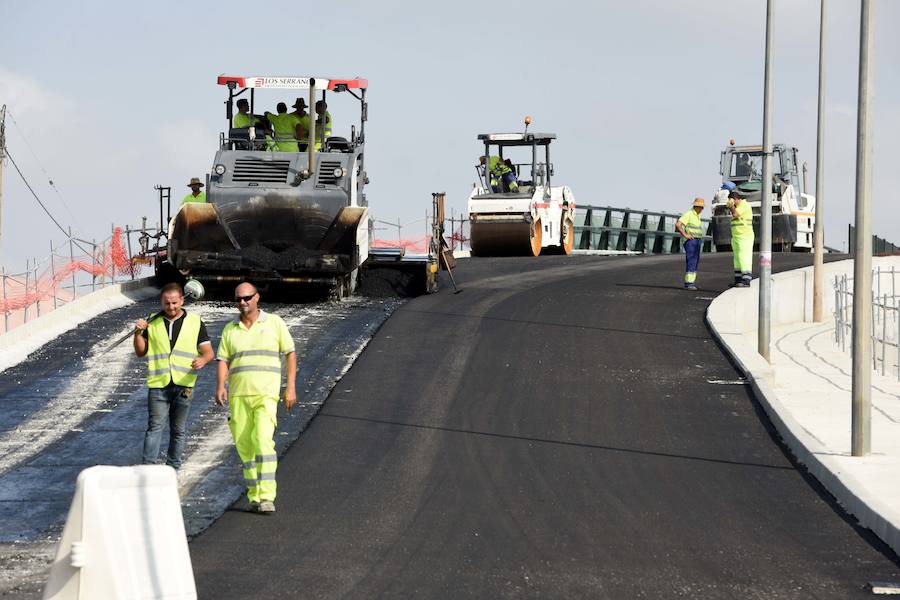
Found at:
(525, 217)
(506, 239)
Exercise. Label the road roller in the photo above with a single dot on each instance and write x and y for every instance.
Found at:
(513, 208)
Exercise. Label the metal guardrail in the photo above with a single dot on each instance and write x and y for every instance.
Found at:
(879, 245)
(885, 318)
(624, 229)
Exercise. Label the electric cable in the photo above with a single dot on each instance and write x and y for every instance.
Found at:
(41, 165)
(30, 189)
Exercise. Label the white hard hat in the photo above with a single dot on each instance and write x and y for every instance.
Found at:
(194, 289)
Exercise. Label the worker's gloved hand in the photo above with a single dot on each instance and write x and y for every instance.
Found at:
(730, 203)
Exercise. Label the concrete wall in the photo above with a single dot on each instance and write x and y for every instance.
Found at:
(792, 296)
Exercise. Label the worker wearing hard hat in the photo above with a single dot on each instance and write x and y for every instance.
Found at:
(285, 125)
(501, 175)
(741, 237)
(249, 358)
(196, 195)
(691, 229)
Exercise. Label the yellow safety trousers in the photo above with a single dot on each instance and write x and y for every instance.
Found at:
(252, 421)
(742, 247)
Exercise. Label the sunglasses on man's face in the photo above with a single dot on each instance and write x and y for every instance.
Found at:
(244, 298)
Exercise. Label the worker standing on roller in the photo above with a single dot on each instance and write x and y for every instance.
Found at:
(691, 229)
(501, 176)
(250, 360)
(741, 237)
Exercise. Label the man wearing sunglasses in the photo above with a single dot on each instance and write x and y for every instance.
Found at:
(249, 358)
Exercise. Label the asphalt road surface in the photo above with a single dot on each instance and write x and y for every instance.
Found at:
(563, 428)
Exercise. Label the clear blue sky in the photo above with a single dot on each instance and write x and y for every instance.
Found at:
(116, 97)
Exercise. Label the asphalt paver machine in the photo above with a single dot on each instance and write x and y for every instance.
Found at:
(535, 218)
(793, 211)
(273, 216)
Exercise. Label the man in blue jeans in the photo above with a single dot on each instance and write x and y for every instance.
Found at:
(690, 227)
(177, 347)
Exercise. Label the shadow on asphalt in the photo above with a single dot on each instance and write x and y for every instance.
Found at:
(525, 438)
(552, 324)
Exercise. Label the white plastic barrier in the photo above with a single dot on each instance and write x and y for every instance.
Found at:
(124, 538)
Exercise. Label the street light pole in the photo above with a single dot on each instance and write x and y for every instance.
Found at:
(862, 261)
(765, 212)
(819, 229)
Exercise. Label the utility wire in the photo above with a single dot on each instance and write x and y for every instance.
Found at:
(28, 185)
(49, 179)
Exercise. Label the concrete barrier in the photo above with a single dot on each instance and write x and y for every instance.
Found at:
(124, 538)
(18, 343)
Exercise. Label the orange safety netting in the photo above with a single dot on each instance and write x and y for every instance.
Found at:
(411, 245)
(109, 259)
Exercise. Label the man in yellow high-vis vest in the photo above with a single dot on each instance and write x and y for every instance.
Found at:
(690, 227)
(284, 125)
(177, 346)
(249, 358)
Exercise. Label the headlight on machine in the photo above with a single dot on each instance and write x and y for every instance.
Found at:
(220, 169)
(338, 172)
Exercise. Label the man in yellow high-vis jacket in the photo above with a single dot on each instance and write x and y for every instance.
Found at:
(177, 347)
(249, 358)
(741, 238)
(284, 125)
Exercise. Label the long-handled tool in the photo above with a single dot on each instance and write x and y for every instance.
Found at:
(456, 290)
(193, 289)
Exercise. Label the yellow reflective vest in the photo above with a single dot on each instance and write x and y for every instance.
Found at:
(692, 223)
(285, 126)
(254, 355)
(166, 364)
(497, 167)
(742, 225)
(201, 197)
(241, 120)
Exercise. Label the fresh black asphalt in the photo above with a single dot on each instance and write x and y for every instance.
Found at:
(566, 427)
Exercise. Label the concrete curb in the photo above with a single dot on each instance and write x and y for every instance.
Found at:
(728, 316)
(18, 343)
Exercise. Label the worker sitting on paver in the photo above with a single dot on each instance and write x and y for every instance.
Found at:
(502, 177)
(242, 118)
(196, 195)
(322, 114)
(741, 237)
(691, 229)
(285, 126)
(301, 129)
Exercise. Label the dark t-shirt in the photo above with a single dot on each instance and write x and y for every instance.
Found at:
(174, 328)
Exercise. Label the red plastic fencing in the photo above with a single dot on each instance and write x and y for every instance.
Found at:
(410, 245)
(109, 260)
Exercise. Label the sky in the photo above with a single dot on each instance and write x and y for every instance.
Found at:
(112, 98)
